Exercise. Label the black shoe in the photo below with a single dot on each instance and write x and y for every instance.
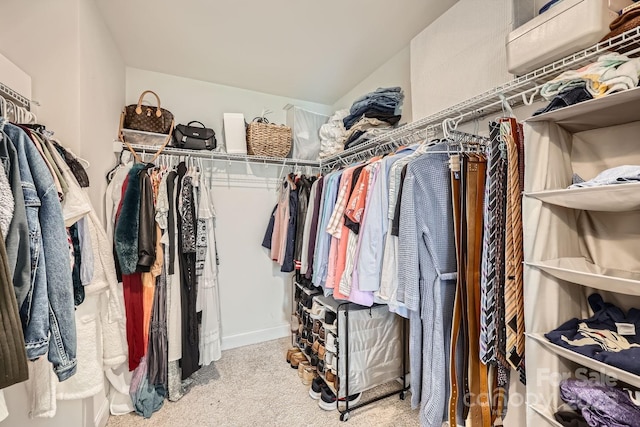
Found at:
(316, 388)
(314, 360)
(327, 399)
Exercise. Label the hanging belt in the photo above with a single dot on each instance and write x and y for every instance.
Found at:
(454, 164)
(478, 373)
(458, 182)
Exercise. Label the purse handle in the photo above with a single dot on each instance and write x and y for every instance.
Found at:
(195, 121)
(137, 158)
(139, 107)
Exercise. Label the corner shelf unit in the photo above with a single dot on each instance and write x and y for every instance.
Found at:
(577, 241)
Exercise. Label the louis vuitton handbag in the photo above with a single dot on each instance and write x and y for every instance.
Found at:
(154, 119)
(146, 117)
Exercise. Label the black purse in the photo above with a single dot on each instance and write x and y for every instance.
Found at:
(194, 137)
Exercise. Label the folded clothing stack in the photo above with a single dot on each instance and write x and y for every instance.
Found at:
(610, 335)
(599, 404)
(384, 104)
(332, 134)
(610, 73)
(364, 130)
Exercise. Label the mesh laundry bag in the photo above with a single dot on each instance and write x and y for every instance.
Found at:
(306, 138)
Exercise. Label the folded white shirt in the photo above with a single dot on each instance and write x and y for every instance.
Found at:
(618, 175)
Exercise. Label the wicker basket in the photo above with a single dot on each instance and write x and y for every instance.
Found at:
(266, 139)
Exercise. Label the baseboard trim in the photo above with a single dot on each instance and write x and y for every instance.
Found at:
(255, 337)
(102, 416)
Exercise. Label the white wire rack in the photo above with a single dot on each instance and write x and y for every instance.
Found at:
(229, 157)
(10, 94)
(515, 92)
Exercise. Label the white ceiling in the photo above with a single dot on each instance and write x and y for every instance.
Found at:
(310, 50)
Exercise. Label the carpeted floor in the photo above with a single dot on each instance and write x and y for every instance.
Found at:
(254, 386)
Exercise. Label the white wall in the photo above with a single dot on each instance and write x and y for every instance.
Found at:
(460, 55)
(101, 97)
(255, 298)
(395, 72)
(206, 102)
(41, 38)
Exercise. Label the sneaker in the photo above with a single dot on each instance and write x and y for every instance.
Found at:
(316, 310)
(353, 400)
(316, 388)
(327, 399)
(308, 375)
(295, 323)
(308, 349)
(296, 358)
(314, 360)
(290, 352)
(302, 366)
(329, 359)
(329, 317)
(330, 343)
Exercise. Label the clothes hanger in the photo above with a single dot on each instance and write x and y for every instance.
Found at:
(11, 111)
(3, 107)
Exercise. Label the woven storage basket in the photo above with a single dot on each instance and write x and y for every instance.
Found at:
(266, 139)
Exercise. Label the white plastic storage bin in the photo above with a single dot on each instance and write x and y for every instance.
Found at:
(305, 126)
(566, 28)
(235, 134)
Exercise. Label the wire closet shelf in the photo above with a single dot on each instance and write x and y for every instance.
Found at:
(9, 94)
(516, 92)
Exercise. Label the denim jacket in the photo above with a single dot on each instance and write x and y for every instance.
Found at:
(17, 241)
(48, 312)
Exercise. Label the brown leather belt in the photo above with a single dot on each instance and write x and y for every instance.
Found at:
(460, 322)
(475, 171)
(454, 164)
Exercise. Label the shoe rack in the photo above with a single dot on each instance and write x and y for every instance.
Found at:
(371, 346)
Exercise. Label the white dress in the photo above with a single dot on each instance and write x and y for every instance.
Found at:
(208, 300)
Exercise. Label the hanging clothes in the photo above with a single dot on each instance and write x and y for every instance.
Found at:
(288, 264)
(51, 290)
(189, 363)
(208, 301)
(427, 272)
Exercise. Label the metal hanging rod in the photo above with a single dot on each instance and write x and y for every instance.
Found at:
(203, 154)
(11, 95)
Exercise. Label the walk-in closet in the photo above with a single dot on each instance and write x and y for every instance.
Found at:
(413, 213)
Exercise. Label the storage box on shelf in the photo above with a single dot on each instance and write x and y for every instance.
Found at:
(138, 137)
(566, 28)
(578, 241)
